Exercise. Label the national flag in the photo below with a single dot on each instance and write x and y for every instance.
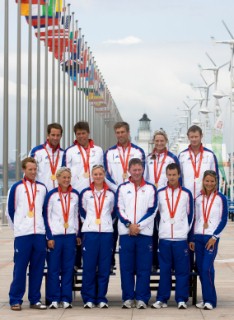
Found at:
(59, 6)
(32, 1)
(25, 9)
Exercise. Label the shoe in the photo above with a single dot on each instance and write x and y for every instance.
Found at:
(66, 305)
(38, 306)
(141, 305)
(158, 305)
(16, 307)
(89, 305)
(103, 305)
(128, 304)
(182, 305)
(54, 305)
(200, 305)
(208, 306)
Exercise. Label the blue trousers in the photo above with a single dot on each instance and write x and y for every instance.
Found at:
(173, 254)
(97, 253)
(205, 265)
(30, 249)
(60, 261)
(135, 253)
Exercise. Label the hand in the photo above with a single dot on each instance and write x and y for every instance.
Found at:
(78, 241)
(134, 229)
(192, 246)
(210, 244)
(51, 244)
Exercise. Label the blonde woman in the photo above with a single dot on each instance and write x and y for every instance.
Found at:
(96, 208)
(211, 215)
(61, 220)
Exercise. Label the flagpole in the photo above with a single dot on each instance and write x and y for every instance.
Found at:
(73, 87)
(64, 82)
(5, 100)
(76, 103)
(68, 85)
(46, 73)
(18, 97)
(79, 79)
(58, 71)
(38, 112)
(29, 121)
(53, 68)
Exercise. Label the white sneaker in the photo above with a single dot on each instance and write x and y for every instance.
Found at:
(128, 304)
(182, 305)
(103, 305)
(200, 305)
(141, 305)
(89, 305)
(158, 305)
(66, 305)
(208, 306)
(54, 305)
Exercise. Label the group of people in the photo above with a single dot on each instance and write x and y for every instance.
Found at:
(161, 207)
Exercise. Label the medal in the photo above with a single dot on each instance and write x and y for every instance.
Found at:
(172, 220)
(205, 225)
(30, 214)
(98, 221)
(158, 169)
(197, 180)
(125, 175)
(66, 225)
(86, 174)
(156, 185)
(53, 177)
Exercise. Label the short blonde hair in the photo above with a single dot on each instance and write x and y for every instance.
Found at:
(160, 133)
(61, 170)
(98, 166)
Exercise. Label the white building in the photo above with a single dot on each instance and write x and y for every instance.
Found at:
(144, 138)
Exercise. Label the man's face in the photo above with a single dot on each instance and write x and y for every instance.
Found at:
(172, 177)
(54, 137)
(195, 138)
(136, 172)
(82, 137)
(122, 135)
(30, 171)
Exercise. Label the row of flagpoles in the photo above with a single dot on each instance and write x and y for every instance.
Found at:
(66, 73)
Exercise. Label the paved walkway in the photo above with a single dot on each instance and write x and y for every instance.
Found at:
(224, 285)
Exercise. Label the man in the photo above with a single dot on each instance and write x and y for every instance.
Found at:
(49, 156)
(175, 207)
(24, 212)
(116, 158)
(195, 160)
(136, 203)
(116, 161)
(82, 156)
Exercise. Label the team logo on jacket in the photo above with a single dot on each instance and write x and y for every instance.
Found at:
(129, 192)
(117, 156)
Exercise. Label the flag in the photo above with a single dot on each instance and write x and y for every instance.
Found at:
(25, 8)
(32, 1)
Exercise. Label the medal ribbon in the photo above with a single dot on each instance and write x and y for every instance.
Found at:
(196, 170)
(66, 205)
(124, 162)
(53, 166)
(85, 162)
(31, 204)
(157, 173)
(204, 210)
(98, 209)
(171, 211)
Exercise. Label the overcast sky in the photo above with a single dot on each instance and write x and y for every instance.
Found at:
(147, 51)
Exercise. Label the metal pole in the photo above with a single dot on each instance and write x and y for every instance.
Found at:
(29, 121)
(18, 97)
(38, 112)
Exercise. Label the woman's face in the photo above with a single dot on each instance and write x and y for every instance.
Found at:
(64, 180)
(160, 142)
(98, 175)
(209, 183)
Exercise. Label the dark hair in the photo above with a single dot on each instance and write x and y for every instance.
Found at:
(121, 124)
(27, 160)
(194, 128)
(81, 125)
(135, 161)
(173, 166)
(54, 126)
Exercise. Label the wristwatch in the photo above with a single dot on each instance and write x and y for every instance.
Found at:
(214, 237)
(127, 225)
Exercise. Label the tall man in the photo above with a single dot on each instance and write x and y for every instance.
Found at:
(195, 160)
(82, 156)
(49, 156)
(24, 212)
(136, 203)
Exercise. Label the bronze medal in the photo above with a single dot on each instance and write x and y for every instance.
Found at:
(30, 214)
(156, 185)
(125, 175)
(205, 225)
(66, 225)
(98, 221)
(86, 174)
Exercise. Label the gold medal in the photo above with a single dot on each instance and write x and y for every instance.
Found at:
(98, 221)
(30, 214)
(125, 175)
(205, 225)
(66, 225)
(86, 174)
(53, 177)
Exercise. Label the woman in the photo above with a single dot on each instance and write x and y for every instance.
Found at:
(96, 208)
(211, 215)
(155, 172)
(61, 220)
